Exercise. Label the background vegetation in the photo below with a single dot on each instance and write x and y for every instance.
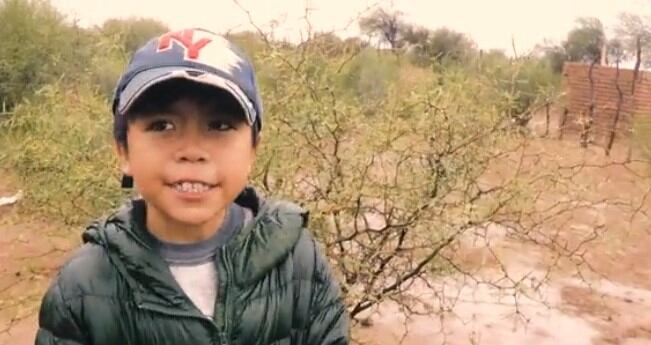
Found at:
(399, 145)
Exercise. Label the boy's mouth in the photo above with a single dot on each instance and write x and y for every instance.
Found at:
(191, 186)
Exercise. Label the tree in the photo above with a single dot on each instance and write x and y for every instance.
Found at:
(634, 32)
(446, 44)
(555, 56)
(395, 192)
(616, 52)
(328, 43)
(36, 47)
(354, 44)
(414, 34)
(585, 42)
(425, 46)
(133, 32)
(385, 25)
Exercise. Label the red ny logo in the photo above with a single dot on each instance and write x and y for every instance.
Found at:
(185, 39)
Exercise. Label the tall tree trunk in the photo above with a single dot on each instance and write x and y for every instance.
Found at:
(618, 111)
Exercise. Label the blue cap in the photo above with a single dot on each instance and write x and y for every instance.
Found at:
(192, 54)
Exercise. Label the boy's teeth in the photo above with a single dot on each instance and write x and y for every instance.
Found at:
(191, 187)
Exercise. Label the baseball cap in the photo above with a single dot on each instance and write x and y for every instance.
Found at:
(197, 55)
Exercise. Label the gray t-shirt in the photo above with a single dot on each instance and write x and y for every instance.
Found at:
(193, 265)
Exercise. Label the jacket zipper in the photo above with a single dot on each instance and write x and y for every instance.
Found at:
(224, 294)
(177, 314)
(221, 303)
(164, 311)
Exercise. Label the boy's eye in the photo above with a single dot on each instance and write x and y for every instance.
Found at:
(220, 125)
(160, 126)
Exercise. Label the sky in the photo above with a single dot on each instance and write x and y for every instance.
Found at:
(493, 24)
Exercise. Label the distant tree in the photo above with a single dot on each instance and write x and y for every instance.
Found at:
(425, 46)
(328, 43)
(36, 44)
(133, 32)
(634, 33)
(616, 52)
(585, 42)
(384, 25)
(493, 62)
(414, 34)
(355, 44)
(492, 58)
(446, 44)
(555, 56)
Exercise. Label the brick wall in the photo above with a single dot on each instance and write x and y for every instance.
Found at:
(578, 97)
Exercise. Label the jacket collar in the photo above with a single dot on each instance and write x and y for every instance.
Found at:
(257, 248)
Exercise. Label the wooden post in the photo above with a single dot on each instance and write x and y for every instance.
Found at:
(586, 124)
(562, 123)
(547, 106)
(618, 111)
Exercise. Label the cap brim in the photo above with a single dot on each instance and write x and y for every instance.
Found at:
(142, 81)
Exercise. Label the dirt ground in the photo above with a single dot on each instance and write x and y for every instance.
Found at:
(30, 252)
(605, 299)
(609, 303)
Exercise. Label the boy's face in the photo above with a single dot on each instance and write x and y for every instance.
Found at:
(188, 163)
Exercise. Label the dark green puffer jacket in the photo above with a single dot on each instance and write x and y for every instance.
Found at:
(275, 288)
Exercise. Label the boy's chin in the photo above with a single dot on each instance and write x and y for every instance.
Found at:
(194, 216)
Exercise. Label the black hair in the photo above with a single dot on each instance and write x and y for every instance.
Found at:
(160, 97)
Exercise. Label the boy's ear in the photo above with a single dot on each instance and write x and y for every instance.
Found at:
(123, 158)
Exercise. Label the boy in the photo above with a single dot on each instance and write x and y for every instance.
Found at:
(201, 258)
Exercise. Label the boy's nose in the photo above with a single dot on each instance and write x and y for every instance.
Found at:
(191, 153)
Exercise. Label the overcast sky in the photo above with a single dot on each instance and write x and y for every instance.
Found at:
(491, 23)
